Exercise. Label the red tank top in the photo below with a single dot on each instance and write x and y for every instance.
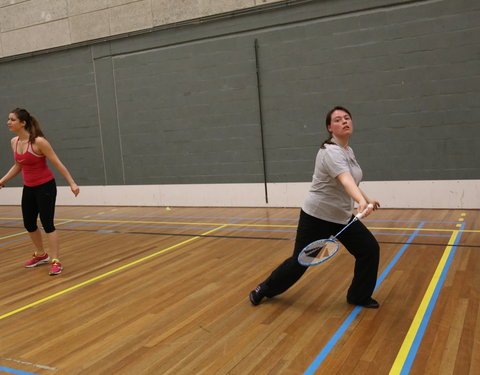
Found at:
(35, 170)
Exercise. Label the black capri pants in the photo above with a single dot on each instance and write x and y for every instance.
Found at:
(357, 239)
(39, 200)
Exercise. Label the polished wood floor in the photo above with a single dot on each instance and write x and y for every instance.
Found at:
(164, 291)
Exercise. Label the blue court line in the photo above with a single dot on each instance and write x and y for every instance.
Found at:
(237, 219)
(392, 263)
(223, 229)
(197, 217)
(338, 334)
(406, 234)
(181, 227)
(17, 240)
(426, 318)
(409, 221)
(263, 218)
(239, 229)
(14, 371)
(245, 218)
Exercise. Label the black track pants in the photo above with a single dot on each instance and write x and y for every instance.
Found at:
(357, 239)
(39, 200)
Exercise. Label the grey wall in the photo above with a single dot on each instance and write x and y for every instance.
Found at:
(181, 105)
(58, 88)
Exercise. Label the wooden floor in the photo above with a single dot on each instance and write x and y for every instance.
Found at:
(156, 291)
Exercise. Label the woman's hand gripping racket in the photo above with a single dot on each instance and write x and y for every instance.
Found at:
(319, 251)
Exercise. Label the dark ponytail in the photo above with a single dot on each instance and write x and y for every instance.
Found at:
(32, 126)
(328, 121)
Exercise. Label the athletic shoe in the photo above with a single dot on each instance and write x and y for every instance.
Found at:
(36, 260)
(256, 295)
(56, 268)
(370, 304)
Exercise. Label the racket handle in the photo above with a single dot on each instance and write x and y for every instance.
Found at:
(362, 214)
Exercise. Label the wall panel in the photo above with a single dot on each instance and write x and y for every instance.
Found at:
(180, 105)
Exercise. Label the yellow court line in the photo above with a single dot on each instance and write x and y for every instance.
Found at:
(184, 223)
(33, 304)
(417, 320)
(164, 222)
(241, 225)
(24, 232)
(13, 235)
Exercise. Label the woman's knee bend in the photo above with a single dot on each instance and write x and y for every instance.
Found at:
(372, 251)
(49, 228)
(31, 227)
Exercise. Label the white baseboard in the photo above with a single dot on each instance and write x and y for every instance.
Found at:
(464, 194)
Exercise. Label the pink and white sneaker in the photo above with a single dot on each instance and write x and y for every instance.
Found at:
(55, 268)
(37, 260)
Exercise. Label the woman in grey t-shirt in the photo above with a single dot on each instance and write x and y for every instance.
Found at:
(327, 208)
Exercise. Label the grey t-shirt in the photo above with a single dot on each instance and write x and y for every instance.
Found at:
(327, 198)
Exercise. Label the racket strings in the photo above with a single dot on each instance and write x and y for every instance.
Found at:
(313, 252)
(318, 252)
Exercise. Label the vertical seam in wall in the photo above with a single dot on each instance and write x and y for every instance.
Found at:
(99, 119)
(260, 117)
(68, 18)
(118, 120)
(151, 13)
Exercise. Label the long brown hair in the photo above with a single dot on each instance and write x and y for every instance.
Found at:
(32, 126)
(328, 121)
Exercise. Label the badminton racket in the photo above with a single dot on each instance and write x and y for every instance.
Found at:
(321, 250)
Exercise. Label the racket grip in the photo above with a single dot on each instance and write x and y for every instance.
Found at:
(362, 214)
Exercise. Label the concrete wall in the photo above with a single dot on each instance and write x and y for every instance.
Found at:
(453, 194)
(34, 25)
(173, 114)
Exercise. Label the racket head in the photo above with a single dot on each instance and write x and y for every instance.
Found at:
(318, 252)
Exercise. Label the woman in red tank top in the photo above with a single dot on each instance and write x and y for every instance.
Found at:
(31, 151)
